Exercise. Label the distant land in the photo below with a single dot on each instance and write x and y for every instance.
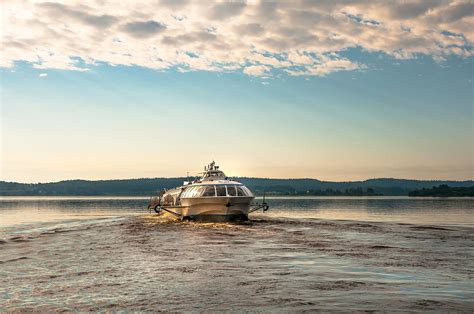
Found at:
(150, 186)
(444, 191)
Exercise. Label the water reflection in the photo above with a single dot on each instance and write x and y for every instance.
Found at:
(30, 210)
(24, 210)
(457, 211)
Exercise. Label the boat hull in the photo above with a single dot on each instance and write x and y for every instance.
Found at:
(211, 209)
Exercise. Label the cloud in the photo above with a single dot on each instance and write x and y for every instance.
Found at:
(174, 3)
(226, 9)
(43, 74)
(143, 29)
(257, 70)
(412, 9)
(250, 29)
(62, 11)
(256, 38)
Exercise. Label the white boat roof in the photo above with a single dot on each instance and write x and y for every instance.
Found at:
(214, 182)
(212, 175)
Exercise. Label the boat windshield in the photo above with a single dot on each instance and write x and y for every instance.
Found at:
(221, 190)
(216, 190)
(208, 191)
(231, 190)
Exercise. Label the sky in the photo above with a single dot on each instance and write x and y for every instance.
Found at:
(333, 90)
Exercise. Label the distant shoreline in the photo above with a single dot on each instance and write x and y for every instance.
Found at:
(271, 187)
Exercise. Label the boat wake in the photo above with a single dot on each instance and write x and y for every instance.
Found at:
(272, 263)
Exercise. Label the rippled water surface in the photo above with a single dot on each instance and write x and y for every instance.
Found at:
(304, 254)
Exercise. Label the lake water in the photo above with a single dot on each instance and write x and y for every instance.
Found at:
(327, 253)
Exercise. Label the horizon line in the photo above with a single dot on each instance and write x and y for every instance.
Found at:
(265, 178)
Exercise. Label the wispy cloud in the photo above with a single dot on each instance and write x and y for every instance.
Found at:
(257, 70)
(300, 38)
(43, 74)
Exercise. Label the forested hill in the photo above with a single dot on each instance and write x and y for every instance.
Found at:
(445, 191)
(144, 187)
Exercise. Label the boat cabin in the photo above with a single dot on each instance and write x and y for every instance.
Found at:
(216, 190)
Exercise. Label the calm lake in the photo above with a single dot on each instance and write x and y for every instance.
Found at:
(306, 253)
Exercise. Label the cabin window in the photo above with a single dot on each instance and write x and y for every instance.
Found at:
(220, 189)
(189, 192)
(231, 191)
(216, 190)
(243, 191)
(209, 191)
(247, 191)
(240, 191)
(198, 191)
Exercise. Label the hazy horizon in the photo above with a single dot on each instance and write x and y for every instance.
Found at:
(326, 90)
